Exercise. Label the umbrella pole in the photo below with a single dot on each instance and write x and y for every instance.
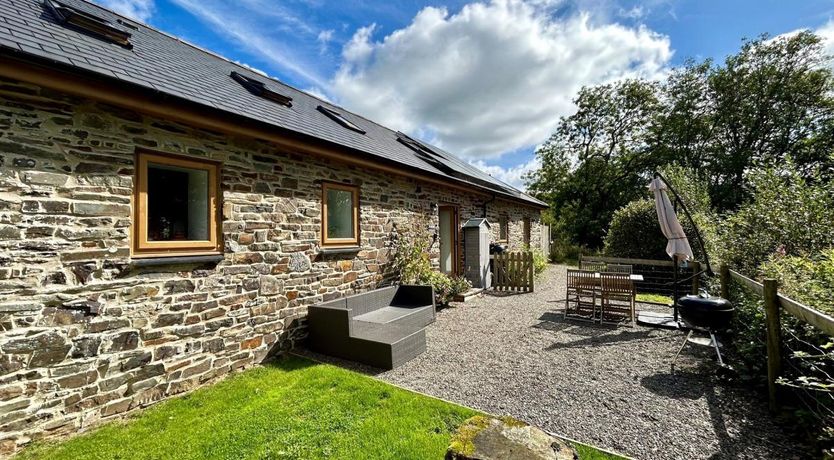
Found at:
(675, 286)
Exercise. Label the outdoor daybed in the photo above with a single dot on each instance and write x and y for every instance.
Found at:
(384, 328)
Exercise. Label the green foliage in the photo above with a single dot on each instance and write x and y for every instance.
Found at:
(693, 188)
(445, 287)
(654, 298)
(787, 214)
(809, 280)
(563, 251)
(635, 233)
(411, 254)
(292, 409)
(784, 233)
(413, 264)
(770, 102)
(596, 160)
(539, 261)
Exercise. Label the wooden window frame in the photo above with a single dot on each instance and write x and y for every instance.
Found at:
(504, 224)
(527, 232)
(141, 246)
(339, 242)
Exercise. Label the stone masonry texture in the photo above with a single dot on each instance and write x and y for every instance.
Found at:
(86, 335)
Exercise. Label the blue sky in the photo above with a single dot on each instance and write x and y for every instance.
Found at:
(486, 80)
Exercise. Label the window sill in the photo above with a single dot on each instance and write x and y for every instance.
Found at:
(176, 260)
(339, 250)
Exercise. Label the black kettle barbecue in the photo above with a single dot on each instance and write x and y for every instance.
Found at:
(705, 313)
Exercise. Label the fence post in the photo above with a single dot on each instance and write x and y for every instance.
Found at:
(725, 281)
(530, 273)
(696, 280)
(774, 340)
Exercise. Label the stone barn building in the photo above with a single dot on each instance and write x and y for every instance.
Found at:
(166, 215)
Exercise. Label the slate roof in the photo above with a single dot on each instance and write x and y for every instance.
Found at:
(161, 62)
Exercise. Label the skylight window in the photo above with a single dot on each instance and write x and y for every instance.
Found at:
(338, 118)
(88, 23)
(259, 89)
(426, 154)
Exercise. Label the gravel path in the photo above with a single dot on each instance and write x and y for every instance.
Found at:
(606, 386)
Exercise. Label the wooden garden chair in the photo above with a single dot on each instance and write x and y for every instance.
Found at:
(581, 287)
(620, 268)
(596, 267)
(618, 298)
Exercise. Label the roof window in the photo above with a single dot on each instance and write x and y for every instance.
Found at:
(338, 118)
(260, 89)
(425, 153)
(88, 23)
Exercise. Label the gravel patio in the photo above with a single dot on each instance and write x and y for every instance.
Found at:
(607, 386)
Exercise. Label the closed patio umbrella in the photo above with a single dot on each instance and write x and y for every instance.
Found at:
(678, 245)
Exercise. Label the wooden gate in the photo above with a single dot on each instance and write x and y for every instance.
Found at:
(513, 271)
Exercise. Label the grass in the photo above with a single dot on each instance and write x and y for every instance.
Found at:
(654, 298)
(291, 409)
(586, 452)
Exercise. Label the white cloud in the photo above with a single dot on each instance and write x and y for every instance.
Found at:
(636, 12)
(319, 93)
(827, 34)
(494, 77)
(513, 175)
(324, 38)
(141, 10)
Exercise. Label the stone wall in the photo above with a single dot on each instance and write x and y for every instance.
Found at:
(86, 334)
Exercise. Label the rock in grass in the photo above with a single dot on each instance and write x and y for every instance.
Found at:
(487, 438)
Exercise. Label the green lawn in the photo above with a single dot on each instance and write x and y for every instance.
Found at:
(654, 298)
(291, 409)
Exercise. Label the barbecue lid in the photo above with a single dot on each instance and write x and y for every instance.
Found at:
(711, 303)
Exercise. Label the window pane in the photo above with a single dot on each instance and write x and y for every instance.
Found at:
(178, 203)
(340, 214)
(503, 228)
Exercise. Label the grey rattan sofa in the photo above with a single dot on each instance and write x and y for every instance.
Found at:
(383, 328)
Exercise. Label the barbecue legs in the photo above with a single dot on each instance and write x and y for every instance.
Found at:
(685, 340)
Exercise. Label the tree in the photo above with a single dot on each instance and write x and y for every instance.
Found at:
(683, 131)
(598, 158)
(769, 102)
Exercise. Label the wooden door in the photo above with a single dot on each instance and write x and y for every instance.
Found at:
(448, 231)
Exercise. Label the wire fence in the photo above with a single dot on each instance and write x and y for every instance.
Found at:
(804, 358)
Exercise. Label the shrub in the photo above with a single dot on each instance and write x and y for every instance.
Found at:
(635, 233)
(783, 232)
(810, 364)
(445, 287)
(786, 215)
(539, 261)
(809, 280)
(562, 250)
(411, 254)
(413, 265)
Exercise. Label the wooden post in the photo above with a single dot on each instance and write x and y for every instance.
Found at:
(696, 280)
(774, 340)
(530, 270)
(724, 272)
